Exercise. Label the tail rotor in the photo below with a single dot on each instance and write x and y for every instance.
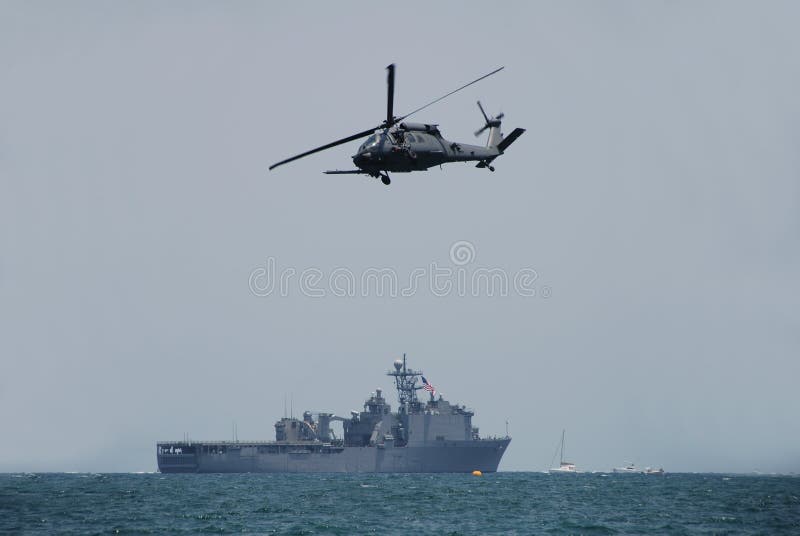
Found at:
(490, 122)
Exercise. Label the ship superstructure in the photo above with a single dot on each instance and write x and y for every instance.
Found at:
(420, 437)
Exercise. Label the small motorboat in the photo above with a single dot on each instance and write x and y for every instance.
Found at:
(629, 469)
(657, 472)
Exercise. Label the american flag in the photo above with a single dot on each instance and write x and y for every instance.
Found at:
(428, 387)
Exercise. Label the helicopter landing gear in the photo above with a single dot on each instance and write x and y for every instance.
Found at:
(384, 177)
(484, 163)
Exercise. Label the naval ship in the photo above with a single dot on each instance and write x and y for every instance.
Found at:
(430, 436)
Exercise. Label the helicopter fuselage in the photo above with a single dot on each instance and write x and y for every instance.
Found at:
(415, 147)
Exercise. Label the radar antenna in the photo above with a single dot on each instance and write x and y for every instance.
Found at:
(405, 380)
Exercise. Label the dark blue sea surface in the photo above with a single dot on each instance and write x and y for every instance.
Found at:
(501, 503)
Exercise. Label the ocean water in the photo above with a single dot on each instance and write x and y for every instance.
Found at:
(501, 503)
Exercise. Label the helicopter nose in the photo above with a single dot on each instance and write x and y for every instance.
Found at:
(362, 159)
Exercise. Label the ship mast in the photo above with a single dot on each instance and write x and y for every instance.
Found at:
(405, 380)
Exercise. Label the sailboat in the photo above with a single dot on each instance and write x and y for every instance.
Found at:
(564, 467)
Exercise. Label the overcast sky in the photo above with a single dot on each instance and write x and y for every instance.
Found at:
(655, 194)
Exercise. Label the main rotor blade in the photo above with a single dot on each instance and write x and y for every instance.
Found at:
(390, 95)
(327, 146)
(454, 91)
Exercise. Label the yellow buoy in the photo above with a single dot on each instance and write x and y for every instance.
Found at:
(476, 473)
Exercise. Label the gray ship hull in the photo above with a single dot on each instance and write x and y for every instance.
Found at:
(269, 457)
(422, 436)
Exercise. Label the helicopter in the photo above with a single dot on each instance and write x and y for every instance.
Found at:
(399, 146)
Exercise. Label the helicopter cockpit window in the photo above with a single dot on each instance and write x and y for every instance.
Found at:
(367, 143)
(411, 138)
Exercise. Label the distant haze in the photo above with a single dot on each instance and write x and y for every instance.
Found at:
(655, 194)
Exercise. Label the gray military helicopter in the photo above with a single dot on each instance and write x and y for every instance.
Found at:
(398, 146)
